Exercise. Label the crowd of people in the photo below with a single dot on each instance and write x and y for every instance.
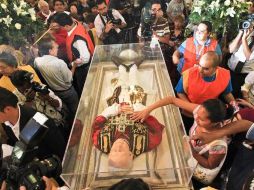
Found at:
(214, 88)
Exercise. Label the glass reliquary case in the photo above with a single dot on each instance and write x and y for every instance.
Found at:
(167, 166)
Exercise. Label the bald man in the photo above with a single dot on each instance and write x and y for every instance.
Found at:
(205, 81)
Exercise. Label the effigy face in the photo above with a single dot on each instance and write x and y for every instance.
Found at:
(169, 165)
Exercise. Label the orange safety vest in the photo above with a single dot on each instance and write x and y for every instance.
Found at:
(79, 32)
(198, 90)
(190, 54)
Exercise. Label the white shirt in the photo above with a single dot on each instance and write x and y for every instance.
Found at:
(99, 26)
(46, 15)
(7, 150)
(82, 48)
(16, 126)
(55, 71)
(66, 12)
(250, 133)
(239, 55)
(249, 83)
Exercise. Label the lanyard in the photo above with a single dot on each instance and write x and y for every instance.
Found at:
(199, 51)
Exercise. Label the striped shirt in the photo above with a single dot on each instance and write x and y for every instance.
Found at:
(161, 27)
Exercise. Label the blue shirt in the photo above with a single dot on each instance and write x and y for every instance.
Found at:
(179, 87)
(182, 48)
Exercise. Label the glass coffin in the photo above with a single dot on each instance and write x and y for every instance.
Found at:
(141, 72)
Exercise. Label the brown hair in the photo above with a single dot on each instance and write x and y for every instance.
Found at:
(179, 18)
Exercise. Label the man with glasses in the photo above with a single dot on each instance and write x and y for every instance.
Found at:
(159, 25)
(202, 82)
(205, 81)
(160, 30)
(108, 24)
(192, 49)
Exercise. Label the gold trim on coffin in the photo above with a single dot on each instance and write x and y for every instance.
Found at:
(169, 114)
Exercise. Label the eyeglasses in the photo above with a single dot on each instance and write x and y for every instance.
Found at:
(201, 31)
(156, 10)
(203, 68)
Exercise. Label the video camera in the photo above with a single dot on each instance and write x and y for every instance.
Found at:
(146, 23)
(111, 18)
(37, 87)
(23, 168)
(245, 24)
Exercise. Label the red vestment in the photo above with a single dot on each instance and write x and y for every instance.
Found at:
(150, 137)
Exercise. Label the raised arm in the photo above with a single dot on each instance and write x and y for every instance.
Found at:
(234, 45)
(246, 49)
(229, 129)
(176, 57)
(142, 115)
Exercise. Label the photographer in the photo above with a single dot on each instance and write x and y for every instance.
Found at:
(241, 62)
(131, 15)
(124, 7)
(39, 97)
(14, 118)
(108, 24)
(158, 25)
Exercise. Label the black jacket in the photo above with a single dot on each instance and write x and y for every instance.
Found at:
(52, 143)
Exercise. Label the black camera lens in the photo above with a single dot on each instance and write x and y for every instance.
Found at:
(246, 22)
(246, 25)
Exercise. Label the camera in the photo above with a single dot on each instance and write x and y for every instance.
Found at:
(245, 24)
(146, 23)
(23, 167)
(111, 18)
(37, 87)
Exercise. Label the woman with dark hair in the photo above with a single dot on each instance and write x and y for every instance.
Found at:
(129, 184)
(208, 116)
